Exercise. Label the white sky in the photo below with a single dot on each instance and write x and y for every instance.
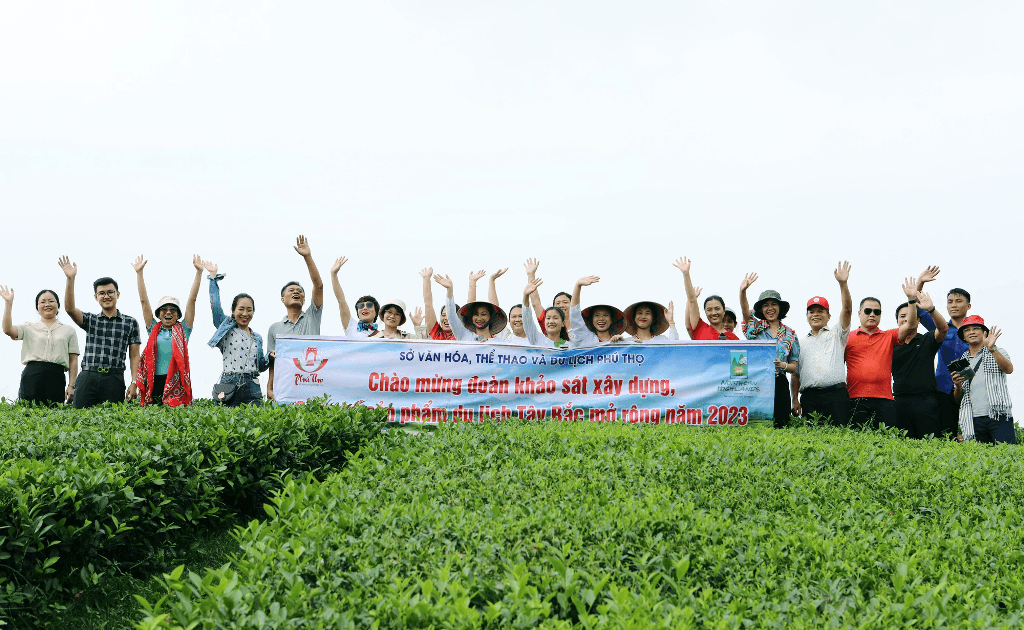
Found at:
(601, 138)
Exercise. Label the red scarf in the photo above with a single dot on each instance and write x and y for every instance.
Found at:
(178, 386)
(439, 333)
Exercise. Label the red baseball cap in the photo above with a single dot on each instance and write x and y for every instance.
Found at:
(970, 320)
(818, 301)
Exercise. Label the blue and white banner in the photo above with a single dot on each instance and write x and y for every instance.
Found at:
(695, 383)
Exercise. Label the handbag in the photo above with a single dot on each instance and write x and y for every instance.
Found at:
(224, 392)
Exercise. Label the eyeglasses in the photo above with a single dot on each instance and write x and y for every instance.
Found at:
(360, 305)
(106, 293)
(872, 311)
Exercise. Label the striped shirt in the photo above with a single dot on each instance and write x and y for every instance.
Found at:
(107, 340)
(990, 394)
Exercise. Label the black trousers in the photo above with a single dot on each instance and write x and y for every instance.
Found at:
(783, 401)
(918, 415)
(949, 414)
(94, 388)
(832, 403)
(872, 411)
(42, 382)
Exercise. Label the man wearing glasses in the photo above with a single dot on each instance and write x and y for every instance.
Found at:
(869, 361)
(819, 385)
(109, 336)
(296, 321)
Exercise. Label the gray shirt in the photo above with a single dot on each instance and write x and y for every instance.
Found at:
(307, 324)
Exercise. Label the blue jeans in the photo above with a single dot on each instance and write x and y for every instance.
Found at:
(992, 431)
(248, 391)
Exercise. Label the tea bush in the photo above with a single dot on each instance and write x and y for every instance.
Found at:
(82, 491)
(514, 525)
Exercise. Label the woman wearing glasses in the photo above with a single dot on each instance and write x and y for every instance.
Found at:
(765, 322)
(367, 307)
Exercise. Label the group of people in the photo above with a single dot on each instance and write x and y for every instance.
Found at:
(848, 376)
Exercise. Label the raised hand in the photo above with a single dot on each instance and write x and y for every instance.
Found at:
(70, 268)
(7, 294)
(682, 264)
(211, 268)
(748, 280)
(696, 292)
(586, 281)
(444, 280)
(426, 272)
(531, 265)
(338, 264)
(417, 316)
(198, 263)
(531, 286)
(476, 275)
(842, 272)
(302, 246)
(499, 273)
(929, 274)
(993, 335)
(910, 288)
(925, 301)
(670, 313)
(139, 264)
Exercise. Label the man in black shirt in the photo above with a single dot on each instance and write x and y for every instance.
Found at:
(913, 374)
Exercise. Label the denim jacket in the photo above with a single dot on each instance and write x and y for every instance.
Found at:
(225, 323)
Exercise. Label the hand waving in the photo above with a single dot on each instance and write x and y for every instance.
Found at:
(682, 264)
(531, 286)
(476, 275)
(586, 281)
(139, 264)
(531, 265)
(417, 316)
(70, 268)
(338, 264)
(426, 272)
(7, 294)
(302, 246)
(748, 280)
(444, 280)
(842, 272)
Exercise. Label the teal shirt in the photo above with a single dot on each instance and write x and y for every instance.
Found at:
(163, 346)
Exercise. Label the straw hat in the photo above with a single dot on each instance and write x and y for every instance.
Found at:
(658, 327)
(498, 317)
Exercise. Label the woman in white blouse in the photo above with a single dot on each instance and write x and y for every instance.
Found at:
(596, 324)
(554, 334)
(476, 321)
(48, 349)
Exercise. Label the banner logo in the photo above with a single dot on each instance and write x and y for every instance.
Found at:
(738, 364)
(312, 354)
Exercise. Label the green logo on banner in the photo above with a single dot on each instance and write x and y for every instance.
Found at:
(738, 363)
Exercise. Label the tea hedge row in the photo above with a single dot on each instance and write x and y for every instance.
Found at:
(81, 491)
(575, 525)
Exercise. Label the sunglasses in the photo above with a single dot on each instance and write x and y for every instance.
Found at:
(872, 311)
(360, 305)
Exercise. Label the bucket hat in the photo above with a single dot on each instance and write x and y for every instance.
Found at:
(771, 295)
(168, 301)
(399, 304)
(971, 320)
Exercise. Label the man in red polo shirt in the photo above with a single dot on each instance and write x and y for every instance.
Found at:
(869, 361)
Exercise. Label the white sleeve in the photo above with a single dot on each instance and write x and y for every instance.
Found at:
(673, 334)
(580, 336)
(458, 328)
(532, 329)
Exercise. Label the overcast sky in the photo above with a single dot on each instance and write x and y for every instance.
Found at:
(602, 138)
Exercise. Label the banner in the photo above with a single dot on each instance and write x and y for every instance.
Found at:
(694, 383)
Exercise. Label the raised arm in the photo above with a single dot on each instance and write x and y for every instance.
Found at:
(193, 293)
(302, 248)
(8, 295)
(70, 270)
(926, 319)
(343, 310)
(585, 281)
(924, 302)
(473, 277)
(428, 298)
(909, 327)
(748, 280)
(531, 266)
(842, 274)
(530, 326)
(692, 307)
(458, 328)
(492, 288)
(215, 307)
(147, 310)
(1002, 361)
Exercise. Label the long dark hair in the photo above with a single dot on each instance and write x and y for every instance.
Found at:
(234, 302)
(563, 334)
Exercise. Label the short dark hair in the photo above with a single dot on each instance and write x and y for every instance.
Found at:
(900, 308)
(290, 284)
(869, 299)
(234, 302)
(368, 298)
(959, 291)
(53, 293)
(102, 281)
(519, 306)
(558, 294)
(714, 297)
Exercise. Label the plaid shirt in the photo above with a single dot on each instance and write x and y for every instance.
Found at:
(107, 340)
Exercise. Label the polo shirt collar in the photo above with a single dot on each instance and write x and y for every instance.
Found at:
(810, 333)
(285, 319)
(860, 329)
(117, 315)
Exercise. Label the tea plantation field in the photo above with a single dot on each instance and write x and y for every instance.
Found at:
(552, 525)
